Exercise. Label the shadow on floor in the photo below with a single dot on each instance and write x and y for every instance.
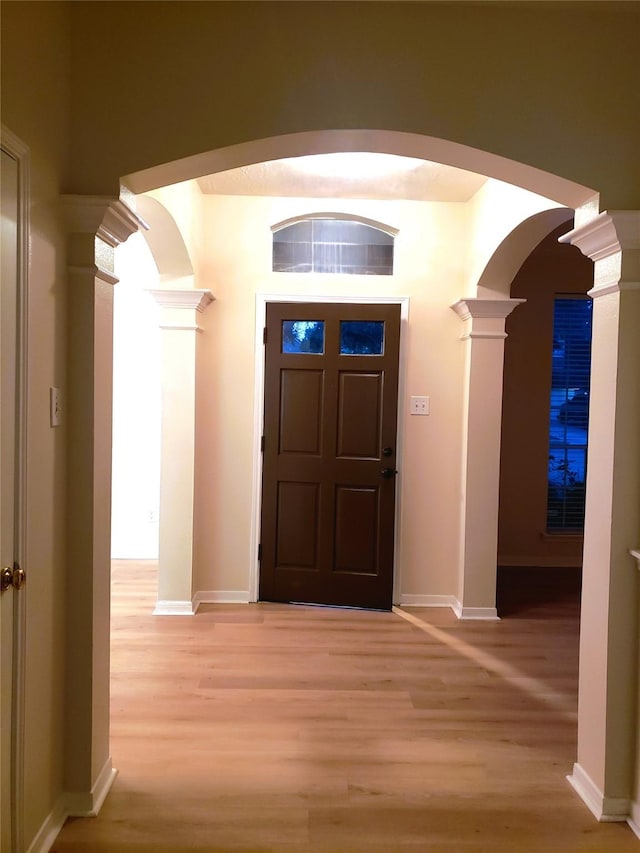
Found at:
(533, 591)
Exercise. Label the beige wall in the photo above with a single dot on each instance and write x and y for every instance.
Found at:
(543, 86)
(35, 106)
(437, 246)
(551, 269)
(553, 87)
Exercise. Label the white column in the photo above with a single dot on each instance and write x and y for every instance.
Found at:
(96, 226)
(179, 310)
(483, 336)
(608, 693)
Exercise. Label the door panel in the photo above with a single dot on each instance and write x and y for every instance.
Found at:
(359, 411)
(328, 514)
(301, 411)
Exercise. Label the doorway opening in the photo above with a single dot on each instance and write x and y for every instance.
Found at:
(540, 563)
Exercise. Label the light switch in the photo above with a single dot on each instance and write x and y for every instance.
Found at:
(55, 407)
(420, 405)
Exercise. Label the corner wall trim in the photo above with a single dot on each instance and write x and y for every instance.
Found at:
(634, 819)
(73, 804)
(488, 614)
(220, 596)
(89, 804)
(173, 608)
(50, 829)
(605, 809)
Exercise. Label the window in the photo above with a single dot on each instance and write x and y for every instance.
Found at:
(569, 420)
(333, 246)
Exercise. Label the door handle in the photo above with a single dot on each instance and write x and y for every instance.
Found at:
(388, 473)
(11, 577)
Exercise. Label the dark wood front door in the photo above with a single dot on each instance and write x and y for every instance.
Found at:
(329, 458)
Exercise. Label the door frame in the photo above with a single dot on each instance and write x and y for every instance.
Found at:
(258, 418)
(20, 152)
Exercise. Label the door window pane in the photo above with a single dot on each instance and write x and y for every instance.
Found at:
(303, 336)
(361, 337)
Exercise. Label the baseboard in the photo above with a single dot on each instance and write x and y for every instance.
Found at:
(220, 596)
(605, 809)
(488, 614)
(427, 601)
(634, 819)
(173, 608)
(88, 804)
(50, 829)
(73, 804)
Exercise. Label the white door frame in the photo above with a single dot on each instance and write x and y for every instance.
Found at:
(258, 418)
(18, 151)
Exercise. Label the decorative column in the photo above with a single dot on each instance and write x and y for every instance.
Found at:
(483, 336)
(179, 310)
(608, 688)
(96, 225)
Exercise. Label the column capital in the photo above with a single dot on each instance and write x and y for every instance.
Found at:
(173, 302)
(485, 318)
(110, 219)
(608, 233)
(198, 300)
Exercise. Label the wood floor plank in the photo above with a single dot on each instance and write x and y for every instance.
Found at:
(294, 728)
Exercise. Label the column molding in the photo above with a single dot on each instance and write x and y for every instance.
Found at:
(606, 234)
(608, 684)
(112, 220)
(484, 335)
(477, 315)
(179, 313)
(95, 225)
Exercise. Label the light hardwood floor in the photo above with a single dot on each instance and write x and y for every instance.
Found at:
(286, 728)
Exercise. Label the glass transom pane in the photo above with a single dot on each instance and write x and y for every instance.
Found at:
(333, 246)
(361, 337)
(303, 336)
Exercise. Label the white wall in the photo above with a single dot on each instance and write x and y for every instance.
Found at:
(136, 405)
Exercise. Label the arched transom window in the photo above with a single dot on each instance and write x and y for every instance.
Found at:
(332, 245)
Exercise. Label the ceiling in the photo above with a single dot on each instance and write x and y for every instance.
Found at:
(348, 175)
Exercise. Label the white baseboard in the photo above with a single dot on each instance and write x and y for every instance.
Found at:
(73, 804)
(88, 804)
(50, 829)
(605, 809)
(634, 819)
(220, 596)
(427, 601)
(488, 614)
(173, 608)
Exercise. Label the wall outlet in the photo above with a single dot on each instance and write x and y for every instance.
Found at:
(420, 405)
(55, 407)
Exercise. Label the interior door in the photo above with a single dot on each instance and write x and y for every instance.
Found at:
(329, 453)
(8, 390)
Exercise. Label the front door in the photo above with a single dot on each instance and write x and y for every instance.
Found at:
(329, 454)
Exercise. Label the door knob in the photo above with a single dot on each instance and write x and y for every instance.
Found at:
(388, 473)
(6, 578)
(11, 578)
